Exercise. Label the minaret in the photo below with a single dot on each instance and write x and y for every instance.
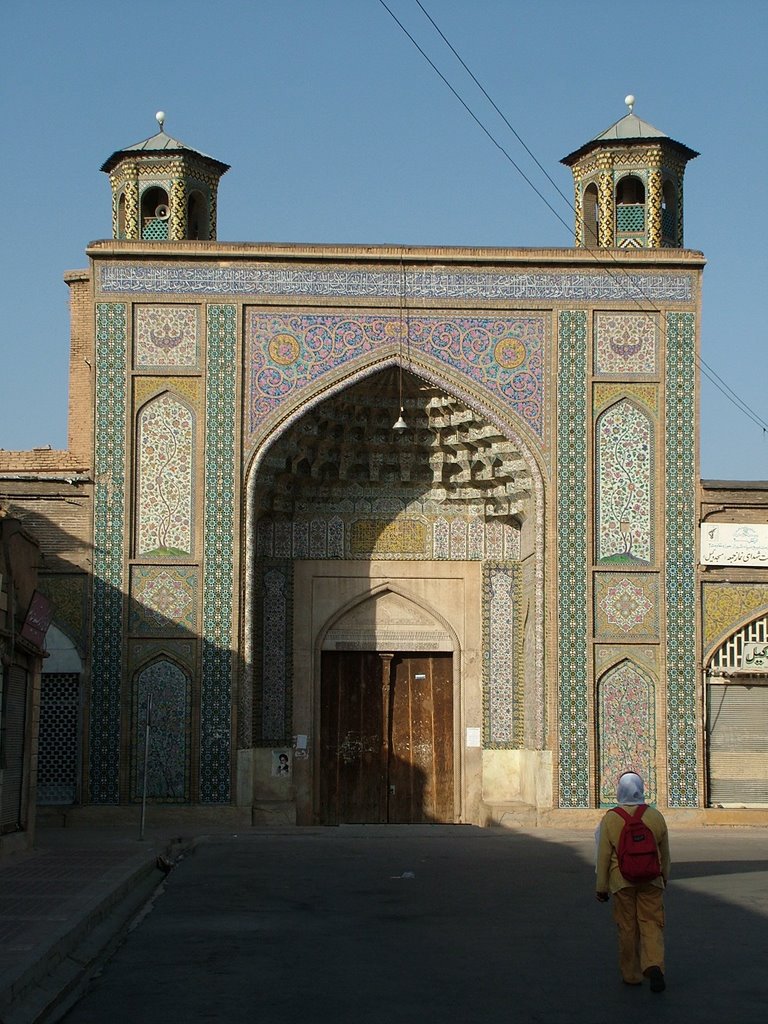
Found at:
(163, 190)
(629, 187)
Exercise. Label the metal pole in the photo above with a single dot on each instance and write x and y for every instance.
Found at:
(146, 762)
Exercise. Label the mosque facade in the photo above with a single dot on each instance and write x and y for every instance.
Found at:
(381, 533)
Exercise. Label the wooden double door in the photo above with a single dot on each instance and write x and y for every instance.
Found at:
(386, 737)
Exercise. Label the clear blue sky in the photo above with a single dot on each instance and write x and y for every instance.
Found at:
(337, 130)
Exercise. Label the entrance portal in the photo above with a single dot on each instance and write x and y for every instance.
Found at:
(386, 737)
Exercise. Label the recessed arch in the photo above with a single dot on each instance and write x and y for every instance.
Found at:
(155, 213)
(198, 217)
(626, 723)
(166, 683)
(591, 216)
(624, 454)
(164, 475)
(531, 519)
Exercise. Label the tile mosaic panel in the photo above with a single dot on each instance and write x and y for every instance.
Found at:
(219, 516)
(428, 283)
(680, 562)
(572, 560)
(166, 337)
(627, 606)
(163, 599)
(165, 453)
(641, 394)
(727, 606)
(68, 595)
(625, 344)
(502, 656)
(627, 729)
(108, 579)
(187, 388)
(277, 632)
(286, 354)
(625, 440)
(404, 537)
(168, 753)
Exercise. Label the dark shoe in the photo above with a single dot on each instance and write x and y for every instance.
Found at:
(656, 977)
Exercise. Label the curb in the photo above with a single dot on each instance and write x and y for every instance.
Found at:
(44, 991)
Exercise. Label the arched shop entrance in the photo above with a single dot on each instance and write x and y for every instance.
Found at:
(737, 718)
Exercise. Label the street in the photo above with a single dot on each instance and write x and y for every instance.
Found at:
(414, 923)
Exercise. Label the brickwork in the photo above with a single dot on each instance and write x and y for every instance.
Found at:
(81, 362)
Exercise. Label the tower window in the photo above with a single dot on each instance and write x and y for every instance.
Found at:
(197, 217)
(591, 215)
(630, 191)
(155, 213)
(669, 212)
(121, 216)
(630, 205)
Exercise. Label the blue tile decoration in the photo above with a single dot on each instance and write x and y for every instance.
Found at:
(626, 716)
(503, 721)
(108, 572)
(680, 567)
(287, 354)
(274, 711)
(572, 558)
(168, 760)
(219, 514)
(421, 283)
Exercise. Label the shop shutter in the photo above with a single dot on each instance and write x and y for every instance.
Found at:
(737, 726)
(15, 714)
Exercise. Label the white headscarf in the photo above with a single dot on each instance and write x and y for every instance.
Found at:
(631, 789)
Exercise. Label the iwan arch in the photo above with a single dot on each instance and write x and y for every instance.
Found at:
(491, 609)
(408, 563)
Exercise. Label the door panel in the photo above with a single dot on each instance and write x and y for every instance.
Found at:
(386, 737)
(352, 787)
(421, 754)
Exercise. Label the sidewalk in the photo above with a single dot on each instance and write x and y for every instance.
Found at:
(67, 904)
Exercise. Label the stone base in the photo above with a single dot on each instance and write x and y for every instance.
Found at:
(508, 814)
(196, 816)
(273, 812)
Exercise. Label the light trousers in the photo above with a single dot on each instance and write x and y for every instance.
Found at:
(638, 911)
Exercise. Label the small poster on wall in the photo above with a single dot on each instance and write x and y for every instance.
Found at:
(281, 763)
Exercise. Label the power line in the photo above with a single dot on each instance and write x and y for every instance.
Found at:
(599, 255)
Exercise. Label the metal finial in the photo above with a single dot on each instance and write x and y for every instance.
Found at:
(630, 101)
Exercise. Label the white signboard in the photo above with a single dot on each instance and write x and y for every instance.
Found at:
(734, 544)
(754, 657)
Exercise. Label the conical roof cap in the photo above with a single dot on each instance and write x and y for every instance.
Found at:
(630, 129)
(161, 143)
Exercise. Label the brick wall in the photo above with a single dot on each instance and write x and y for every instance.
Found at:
(81, 364)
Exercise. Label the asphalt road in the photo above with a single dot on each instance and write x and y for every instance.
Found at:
(430, 923)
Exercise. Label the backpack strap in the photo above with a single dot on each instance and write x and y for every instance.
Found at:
(638, 812)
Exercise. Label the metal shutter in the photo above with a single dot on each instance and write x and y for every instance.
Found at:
(737, 726)
(15, 715)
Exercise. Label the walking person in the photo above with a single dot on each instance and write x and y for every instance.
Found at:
(638, 901)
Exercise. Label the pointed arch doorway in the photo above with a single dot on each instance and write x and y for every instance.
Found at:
(386, 737)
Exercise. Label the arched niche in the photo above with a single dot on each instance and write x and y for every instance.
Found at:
(626, 727)
(165, 466)
(168, 686)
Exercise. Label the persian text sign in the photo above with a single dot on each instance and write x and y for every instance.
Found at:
(734, 544)
(754, 657)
